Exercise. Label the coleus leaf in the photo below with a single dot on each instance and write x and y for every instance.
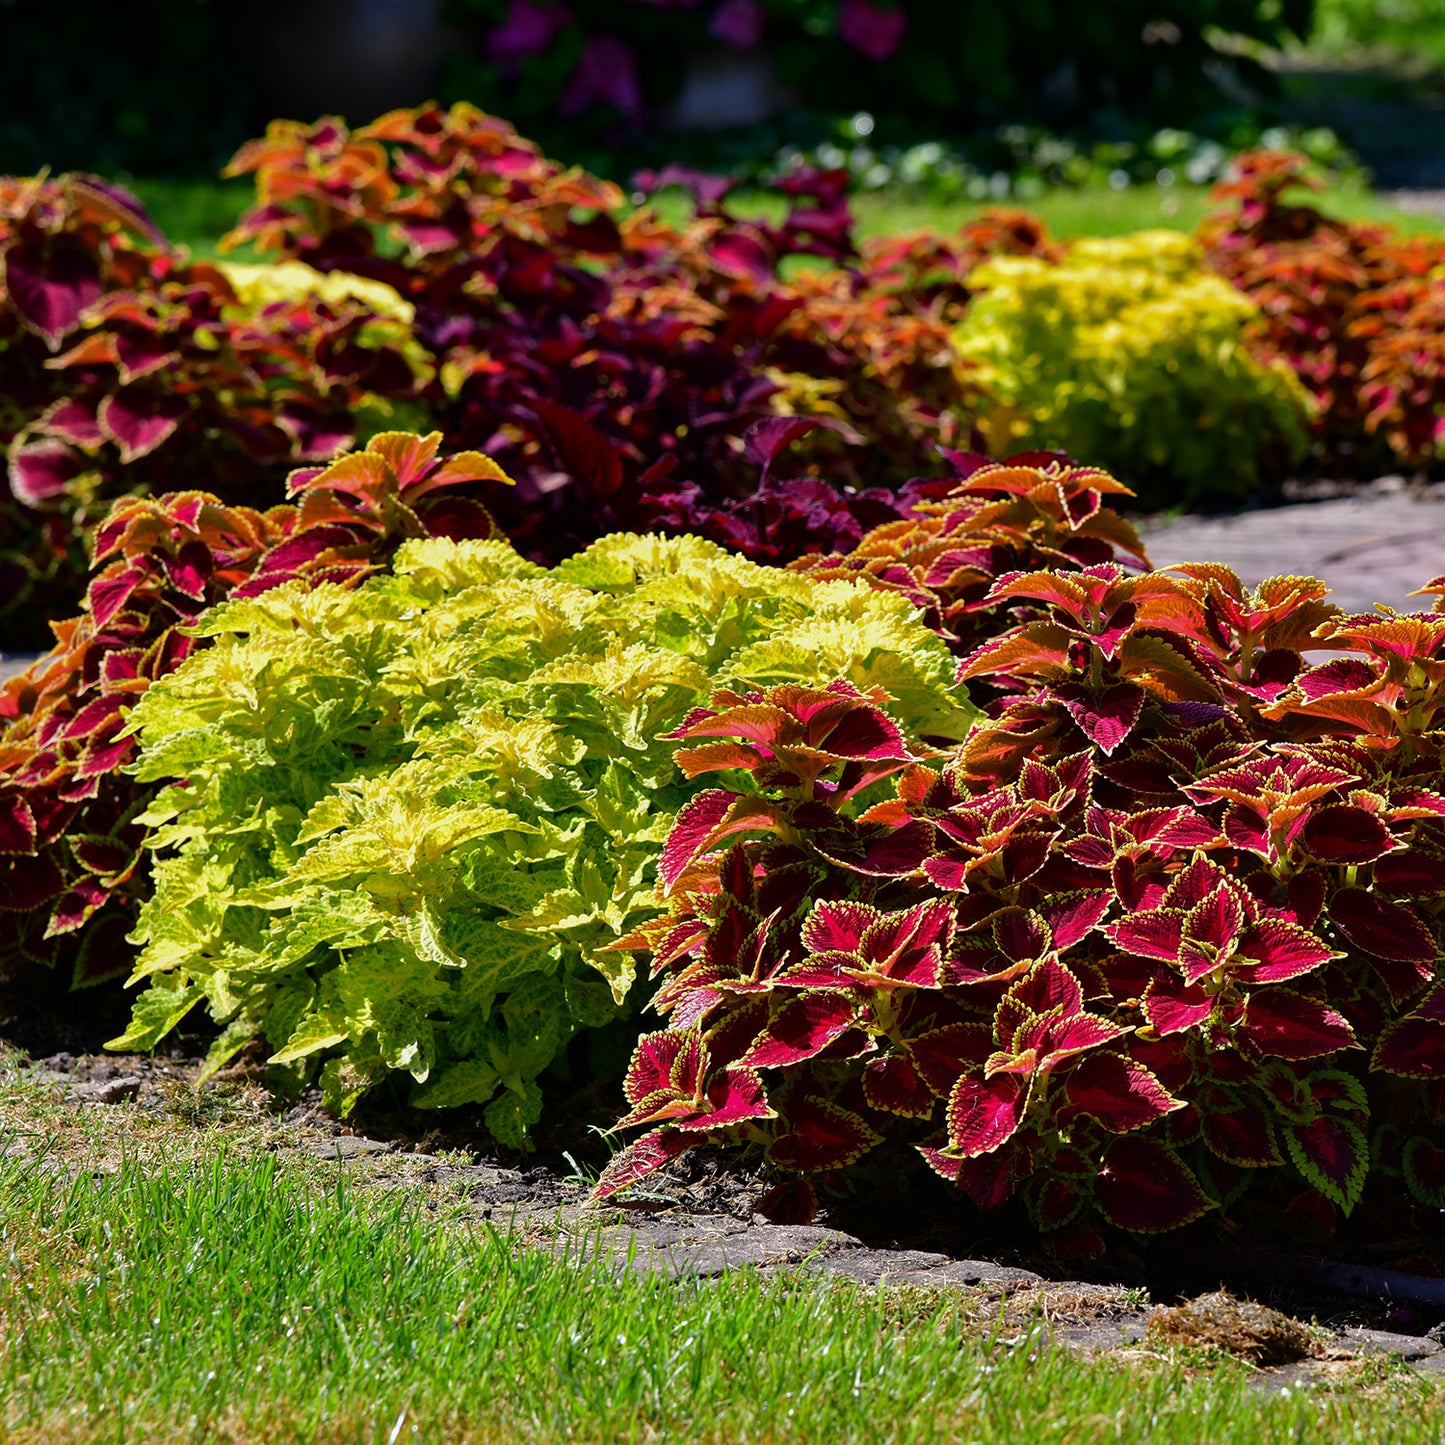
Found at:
(822, 1135)
(1106, 719)
(799, 1030)
(1381, 926)
(1118, 1092)
(1288, 1025)
(984, 1114)
(1333, 1155)
(1423, 1165)
(1144, 1187)
(640, 1158)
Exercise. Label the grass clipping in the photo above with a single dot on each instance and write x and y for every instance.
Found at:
(1240, 1327)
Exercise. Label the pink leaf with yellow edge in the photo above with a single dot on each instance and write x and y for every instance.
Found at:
(984, 1114)
(943, 1055)
(734, 1097)
(642, 1157)
(837, 926)
(40, 471)
(822, 1135)
(1287, 1025)
(1157, 934)
(801, 1028)
(1071, 917)
(1346, 834)
(704, 822)
(1413, 1048)
(1277, 951)
(651, 1066)
(138, 424)
(1412, 873)
(51, 288)
(1176, 1008)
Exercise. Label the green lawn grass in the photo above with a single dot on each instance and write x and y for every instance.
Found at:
(197, 213)
(237, 1301)
(1113, 213)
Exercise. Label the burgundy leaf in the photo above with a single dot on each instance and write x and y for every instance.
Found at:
(17, 825)
(1145, 1188)
(894, 1085)
(1346, 834)
(1391, 930)
(1288, 1025)
(1412, 1047)
(822, 1136)
(1119, 1093)
(581, 449)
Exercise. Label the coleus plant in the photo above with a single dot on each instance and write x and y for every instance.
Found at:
(1032, 510)
(137, 371)
(414, 816)
(1163, 936)
(611, 362)
(69, 839)
(64, 242)
(1350, 307)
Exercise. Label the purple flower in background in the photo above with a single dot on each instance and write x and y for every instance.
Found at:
(527, 31)
(871, 30)
(606, 74)
(739, 23)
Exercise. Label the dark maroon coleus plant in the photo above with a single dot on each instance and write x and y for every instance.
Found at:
(1157, 939)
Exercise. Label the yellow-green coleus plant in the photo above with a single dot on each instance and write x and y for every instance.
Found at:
(1130, 352)
(411, 817)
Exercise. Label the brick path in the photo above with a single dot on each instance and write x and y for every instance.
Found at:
(1376, 547)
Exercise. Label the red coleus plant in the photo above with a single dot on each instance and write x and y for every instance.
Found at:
(991, 518)
(145, 373)
(69, 843)
(1352, 308)
(1160, 937)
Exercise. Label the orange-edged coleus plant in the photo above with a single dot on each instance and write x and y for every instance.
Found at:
(1162, 937)
(1027, 511)
(69, 840)
(131, 370)
(64, 242)
(1352, 307)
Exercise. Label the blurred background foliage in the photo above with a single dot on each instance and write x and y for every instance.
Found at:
(1035, 86)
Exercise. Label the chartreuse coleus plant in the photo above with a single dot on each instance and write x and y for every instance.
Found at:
(413, 819)
(1131, 352)
(70, 845)
(1162, 936)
